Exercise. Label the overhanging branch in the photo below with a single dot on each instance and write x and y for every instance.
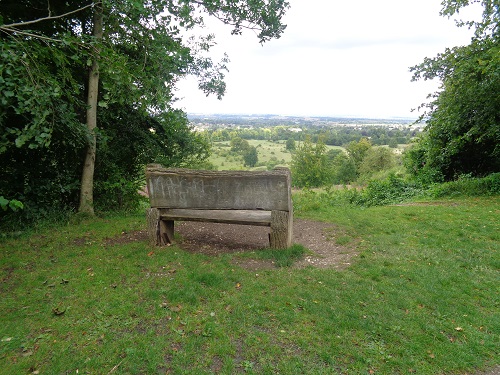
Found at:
(10, 26)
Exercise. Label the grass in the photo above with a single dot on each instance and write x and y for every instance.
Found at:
(279, 257)
(422, 297)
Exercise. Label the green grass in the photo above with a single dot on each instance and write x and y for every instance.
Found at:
(279, 257)
(422, 297)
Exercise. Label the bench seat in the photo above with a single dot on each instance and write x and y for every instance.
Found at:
(245, 217)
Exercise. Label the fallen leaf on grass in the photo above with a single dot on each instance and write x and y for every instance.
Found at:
(179, 332)
(56, 311)
(166, 305)
(459, 329)
(175, 308)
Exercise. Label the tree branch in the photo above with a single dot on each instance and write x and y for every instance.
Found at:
(47, 18)
(8, 29)
(248, 26)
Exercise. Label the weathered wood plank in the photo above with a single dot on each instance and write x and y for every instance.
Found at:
(239, 190)
(246, 217)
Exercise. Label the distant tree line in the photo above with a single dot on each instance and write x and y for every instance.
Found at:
(332, 136)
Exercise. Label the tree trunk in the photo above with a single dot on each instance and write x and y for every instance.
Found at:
(87, 182)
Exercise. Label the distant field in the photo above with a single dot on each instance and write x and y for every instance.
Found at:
(268, 152)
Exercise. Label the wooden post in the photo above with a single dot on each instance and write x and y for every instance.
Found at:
(281, 230)
(153, 217)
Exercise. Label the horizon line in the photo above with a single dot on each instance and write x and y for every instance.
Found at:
(360, 117)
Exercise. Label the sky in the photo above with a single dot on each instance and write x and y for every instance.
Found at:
(335, 58)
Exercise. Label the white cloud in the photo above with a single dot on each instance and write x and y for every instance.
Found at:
(335, 58)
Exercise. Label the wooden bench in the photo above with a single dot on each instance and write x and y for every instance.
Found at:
(236, 197)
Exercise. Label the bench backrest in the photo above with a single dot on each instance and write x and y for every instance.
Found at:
(237, 190)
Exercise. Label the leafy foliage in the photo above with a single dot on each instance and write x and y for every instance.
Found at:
(250, 156)
(238, 144)
(46, 51)
(468, 186)
(463, 132)
(290, 144)
(12, 204)
(310, 165)
(377, 159)
(394, 189)
(343, 169)
(357, 150)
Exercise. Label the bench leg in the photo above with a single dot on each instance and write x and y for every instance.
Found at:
(281, 230)
(160, 232)
(165, 232)
(153, 216)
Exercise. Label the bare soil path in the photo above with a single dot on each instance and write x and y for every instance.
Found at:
(216, 239)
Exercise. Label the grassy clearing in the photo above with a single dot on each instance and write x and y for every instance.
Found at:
(423, 297)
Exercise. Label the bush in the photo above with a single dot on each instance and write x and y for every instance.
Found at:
(394, 189)
(310, 165)
(468, 186)
(344, 169)
(377, 159)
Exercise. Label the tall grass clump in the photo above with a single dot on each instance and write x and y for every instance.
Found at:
(466, 185)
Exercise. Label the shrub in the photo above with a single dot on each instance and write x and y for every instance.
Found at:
(344, 169)
(393, 189)
(377, 159)
(310, 165)
(468, 186)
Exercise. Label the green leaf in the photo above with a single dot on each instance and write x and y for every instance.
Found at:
(16, 205)
(4, 203)
(20, 141)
